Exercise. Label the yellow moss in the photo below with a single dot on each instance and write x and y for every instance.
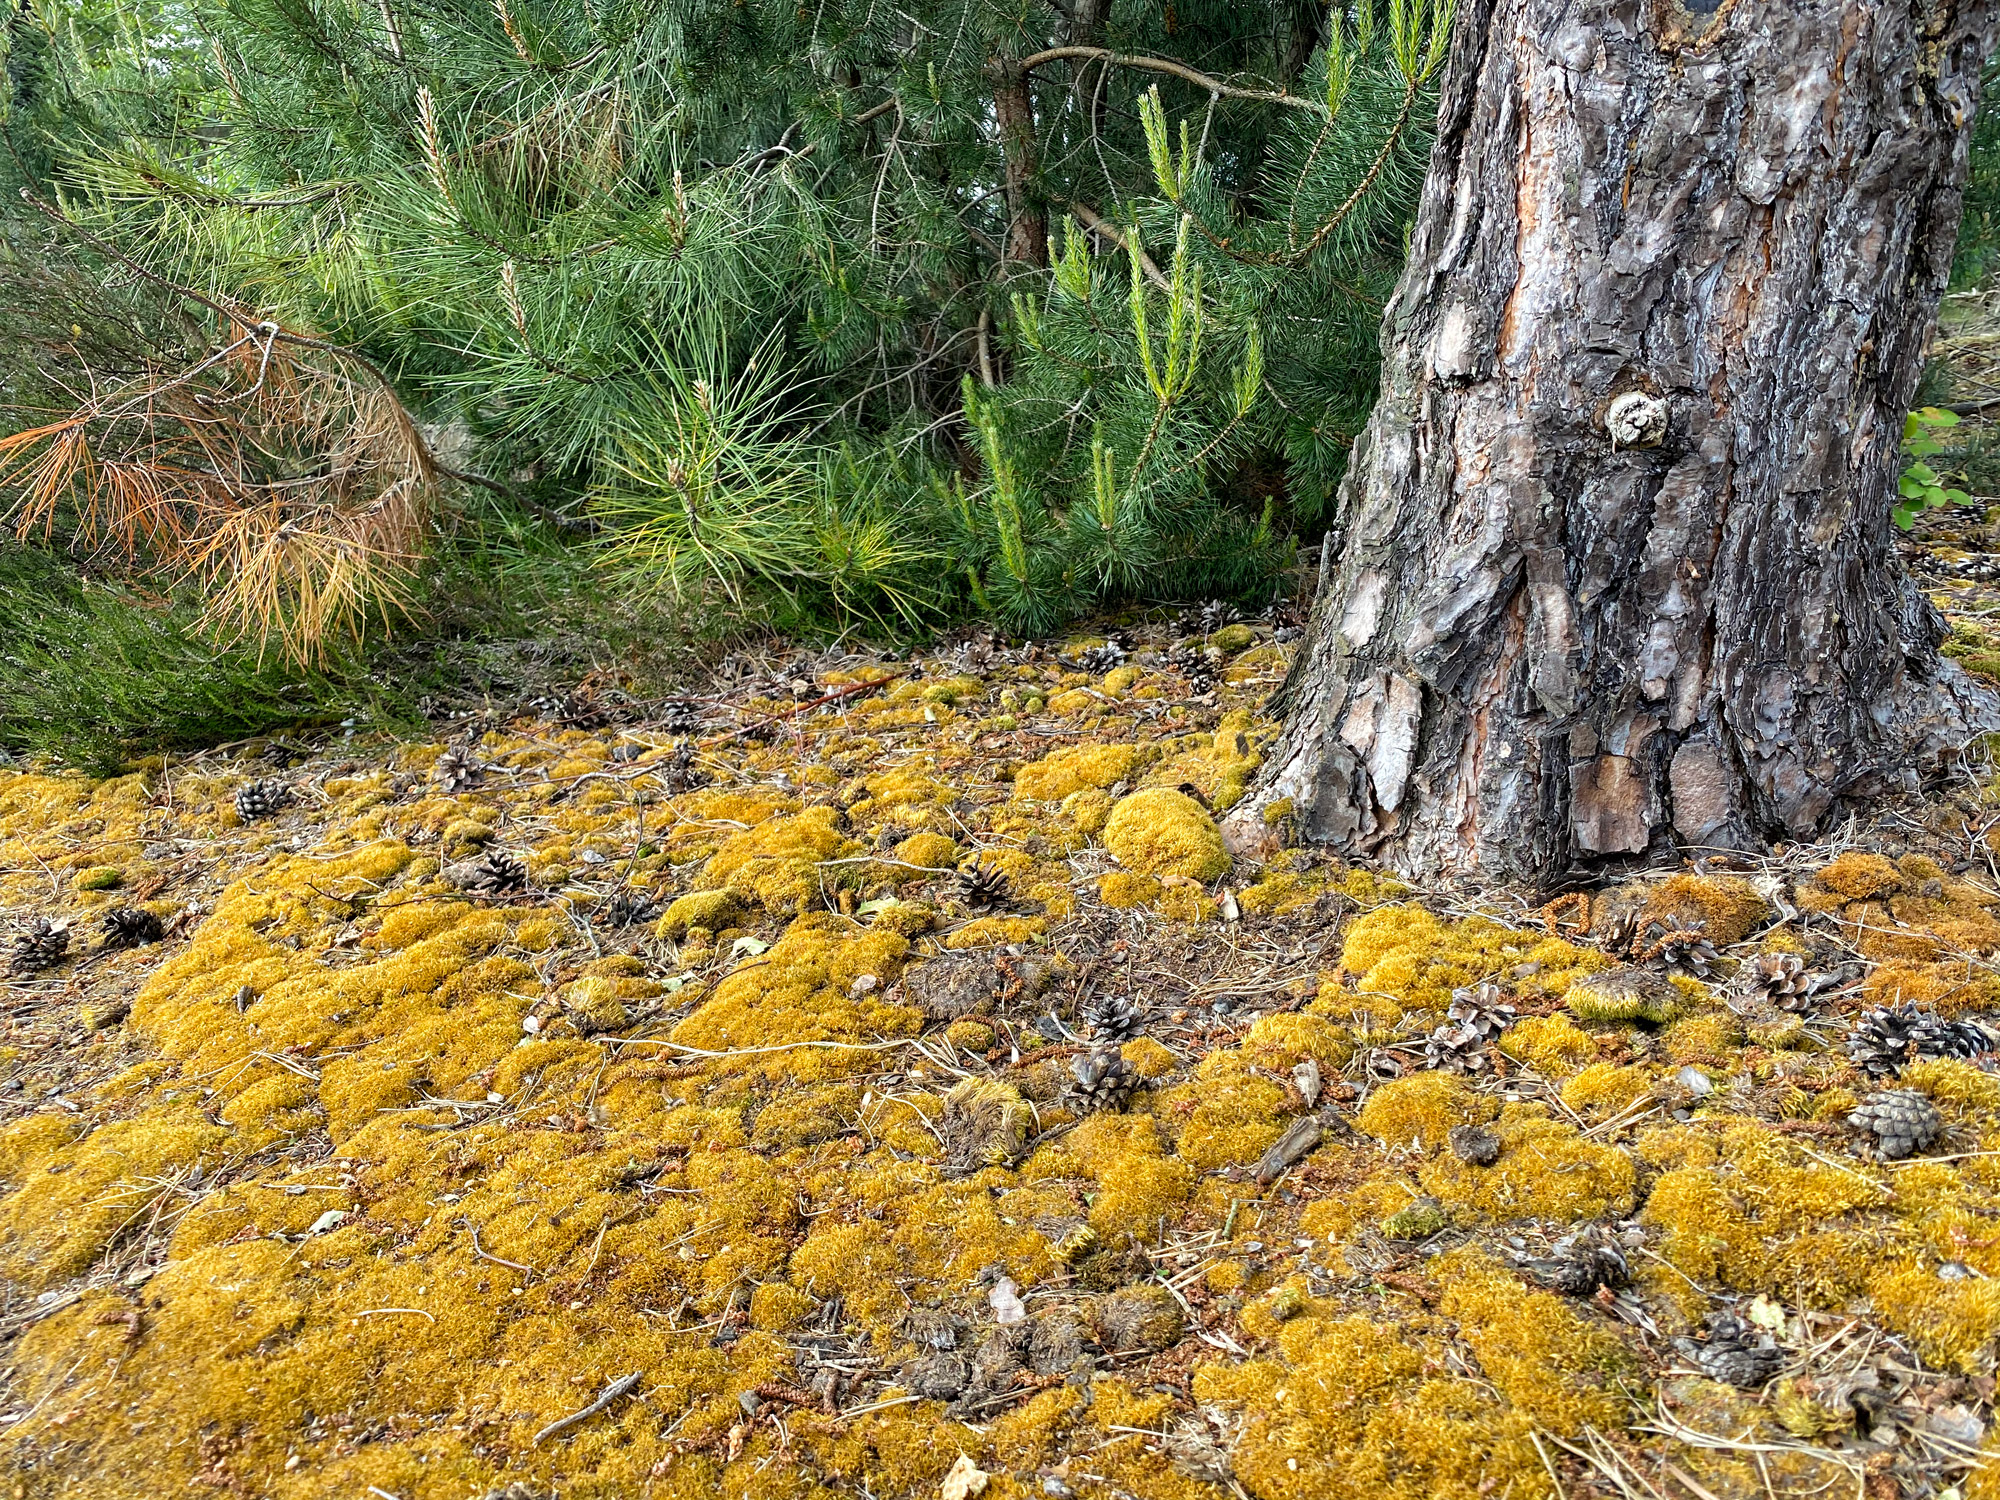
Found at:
(1062, 772)
(1546, 1170)
(1407, 953)
(783, 860)
(1710, 1038)
(1421, 1109)
(1149, 1059)
(777, 1305)
(1601, 1090)
(930, 850)
(1859, 877)
(1089, 810)
(709, 910)
(1123, 890)
(98, 878)
(987, 932)
(1553, 1046)
(55, 1223)
(1159, 831)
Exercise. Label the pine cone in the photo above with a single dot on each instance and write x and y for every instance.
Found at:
(130, 926)
(1584, 1262)
(1888, 1038)
(981, 885)
(1735, 1355)
(261, 797)
(975, 655)
(1211, 617)
(1105, 658)
(1474, 1145)
(1194, 663)
(1902, 1121)
(1686, 950)
(458, 768)
(1481, 1008)
(679, 772)
(681, 716)
(1457, 1049)
(42, 944)
(495, 873)
(627, 906)
(1619, 936)
(1111, 1018)
(1783, 980)
(1104, 1080)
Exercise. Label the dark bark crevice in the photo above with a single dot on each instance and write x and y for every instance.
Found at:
(1537, 653)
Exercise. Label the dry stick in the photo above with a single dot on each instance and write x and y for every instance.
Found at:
(1178, 70)
(623, 1385)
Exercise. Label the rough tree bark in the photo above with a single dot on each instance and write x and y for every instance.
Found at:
(1540, 652)
(1014, 112)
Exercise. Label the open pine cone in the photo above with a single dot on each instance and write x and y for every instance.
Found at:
(981, 885)
(1457, 1049)
(1687, 950)
(458, 768)
(681, 716)
(1888, 1038)
(42, 944)
(1104, 1080)
(1783, 980)
(495, 873)
(1111, 1018)
(130, 926)
(1482, 1008)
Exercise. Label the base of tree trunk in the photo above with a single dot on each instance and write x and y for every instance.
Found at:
(1616, 578)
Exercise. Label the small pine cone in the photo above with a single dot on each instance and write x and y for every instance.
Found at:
(130, 926)
(981, 885)
(580, 709)
(1687, 951)
(1481, 1008)
(261, 798)
(42, 944)
(1474, 1145)
(681, 716)
(679, 772)
(1734, 1356)
(1104, 1080)
(458, 768)
(1215, 614)
(1457, 1049)
(627, 906)
(1902, 1122)
(974, 655)
(1620, 935)
(495, 873)
(1783, 980)
(1105, 658)
(1111, 1018)
(1584, 1262)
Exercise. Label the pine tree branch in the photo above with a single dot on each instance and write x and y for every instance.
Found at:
(1177, 70)
(279, 335)
(1098, 224)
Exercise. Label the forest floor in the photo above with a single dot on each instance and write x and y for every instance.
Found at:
(879, 1062)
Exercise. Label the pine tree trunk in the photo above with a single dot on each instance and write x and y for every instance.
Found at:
(1540, 652)
(1014, 112)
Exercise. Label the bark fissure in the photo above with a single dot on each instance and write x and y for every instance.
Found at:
(1538, 654)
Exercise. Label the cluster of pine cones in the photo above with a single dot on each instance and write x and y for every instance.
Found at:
(42, 944)
(1889, 1038)
(1101, 1078)
(1478, 1014)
